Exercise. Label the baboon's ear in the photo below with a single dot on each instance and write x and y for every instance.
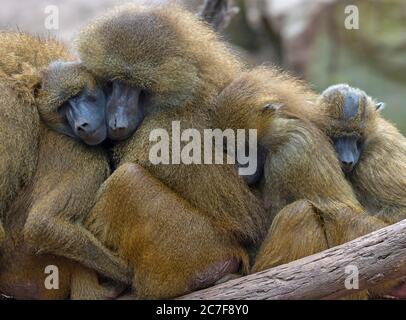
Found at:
(273, 106)
(379, 106)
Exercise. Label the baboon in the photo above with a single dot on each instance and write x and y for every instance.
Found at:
(156, 56)
(302, 186)
(56, 177)
(372, 152)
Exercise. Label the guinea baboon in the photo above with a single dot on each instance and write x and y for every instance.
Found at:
(57, 177)
(157, 54)
(372, 151)
(70, 98)
(302, 184)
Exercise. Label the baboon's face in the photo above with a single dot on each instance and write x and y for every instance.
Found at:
(84, 116)
(71, 102)
(347, 108)
(125, 109)
(348, 150)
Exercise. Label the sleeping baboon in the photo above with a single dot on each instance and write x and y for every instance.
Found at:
(72, 94)
(372, 151)
(57, 177)
(302, 184)
(155, 56)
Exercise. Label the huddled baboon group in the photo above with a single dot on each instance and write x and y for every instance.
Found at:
(78, 189)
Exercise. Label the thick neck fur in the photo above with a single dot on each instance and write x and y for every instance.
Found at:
(23, 57)
(166, 51)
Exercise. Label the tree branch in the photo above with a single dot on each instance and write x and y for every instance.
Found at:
(379, 256)
(218, 13)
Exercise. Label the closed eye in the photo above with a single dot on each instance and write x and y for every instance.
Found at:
(91, 98)
(108, 88)
(360, 143)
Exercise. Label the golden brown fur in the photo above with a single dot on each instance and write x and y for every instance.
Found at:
(50, 180)
(19, 120)
(379, 178)
(22, 57)
(170, 243)
(216, 215)
(300, 166)
(181, 64)
(48, 193)
(303, 186)
(292, 141)
(19, 135)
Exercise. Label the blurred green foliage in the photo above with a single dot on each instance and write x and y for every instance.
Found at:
(372, 58)
(353, 70)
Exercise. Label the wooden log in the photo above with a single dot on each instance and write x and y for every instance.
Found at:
(378, 256)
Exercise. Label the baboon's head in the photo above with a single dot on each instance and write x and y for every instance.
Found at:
(351, 114)
(72, 102)
(260, 99)
(153, 58)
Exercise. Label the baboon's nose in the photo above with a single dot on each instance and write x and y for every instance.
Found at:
(118, 123)
(118, 127)
(347, 165)
(83, 127)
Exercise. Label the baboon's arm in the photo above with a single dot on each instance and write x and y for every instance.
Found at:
(67, 179)
(49, 231)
